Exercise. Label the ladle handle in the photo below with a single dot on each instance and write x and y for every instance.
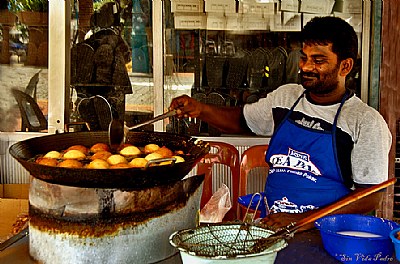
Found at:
(155, 119)
(341, 203)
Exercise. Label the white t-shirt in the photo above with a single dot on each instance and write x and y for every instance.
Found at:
(362, 133)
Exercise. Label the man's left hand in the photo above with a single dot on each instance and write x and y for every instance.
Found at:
(279, 220)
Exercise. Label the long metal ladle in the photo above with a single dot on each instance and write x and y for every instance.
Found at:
(117, 130)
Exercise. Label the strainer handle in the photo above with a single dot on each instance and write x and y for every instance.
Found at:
(248, 207)
(339, 204)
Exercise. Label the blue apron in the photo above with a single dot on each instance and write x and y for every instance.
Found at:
(304, 170)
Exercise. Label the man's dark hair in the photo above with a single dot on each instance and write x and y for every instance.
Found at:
(325, 30)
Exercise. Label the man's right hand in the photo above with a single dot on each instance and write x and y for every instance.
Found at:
(186, 106)
(226, 119)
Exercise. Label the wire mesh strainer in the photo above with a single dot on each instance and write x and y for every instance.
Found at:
(235, 240)
(224, 240)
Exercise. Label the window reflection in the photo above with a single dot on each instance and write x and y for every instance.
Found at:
(23, 65)
(235, 52)
(110, 57)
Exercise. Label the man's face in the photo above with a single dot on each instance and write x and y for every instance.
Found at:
(319, 68)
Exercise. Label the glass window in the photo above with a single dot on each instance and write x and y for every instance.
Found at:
(208, 48)
(111, 62)
(23, 65)
(229, 52)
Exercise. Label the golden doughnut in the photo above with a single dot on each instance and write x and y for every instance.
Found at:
(81, 148)
(130, 151)
(116, 159)
(53, 155)
(47, 161)
(149, 148)
(99, 147)
(153, 156)
(104, 155)
(98, 164)
(138, 163)
(165, 152)
(70, 163)
(74, 154)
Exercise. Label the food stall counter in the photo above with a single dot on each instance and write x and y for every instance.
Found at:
(304, 247)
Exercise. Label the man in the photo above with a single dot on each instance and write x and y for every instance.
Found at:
(326, 143)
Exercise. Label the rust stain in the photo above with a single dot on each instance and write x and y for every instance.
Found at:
(95, 225)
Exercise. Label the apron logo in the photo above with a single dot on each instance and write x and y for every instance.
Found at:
(295, 160)
(310, 124)
(285, 206)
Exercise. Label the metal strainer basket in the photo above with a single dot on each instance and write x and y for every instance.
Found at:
(224, 240)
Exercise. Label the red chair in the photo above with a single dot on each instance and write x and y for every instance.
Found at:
(253, 157)
(226, 154)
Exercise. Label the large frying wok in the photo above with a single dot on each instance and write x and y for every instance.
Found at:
(130, 178)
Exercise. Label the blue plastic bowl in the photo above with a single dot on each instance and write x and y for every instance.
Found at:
(396, 242)
(354, 248)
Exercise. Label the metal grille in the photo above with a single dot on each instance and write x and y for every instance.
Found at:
(256, 180)
(222, 175)
(11, 172)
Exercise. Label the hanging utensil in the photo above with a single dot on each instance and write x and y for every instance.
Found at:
(289, 230)
(117, 130)
(116, 133)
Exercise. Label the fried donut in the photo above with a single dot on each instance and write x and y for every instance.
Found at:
(165, 152)
(104, 155)
(53, 155)
(70, 163)
(138, 163)
(98, 164)
(130, 151)
(81, 148)
(179, 152)
(178, 159)
(150, 148)
(47, 161)
(116, 158)
(99, 147)
(74, 154)
(153, 156)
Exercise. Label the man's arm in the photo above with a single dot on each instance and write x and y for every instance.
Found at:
(361, 206)
(226, 119)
